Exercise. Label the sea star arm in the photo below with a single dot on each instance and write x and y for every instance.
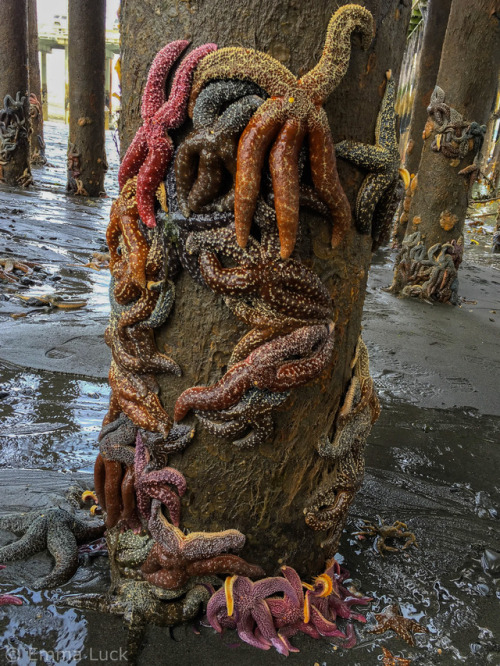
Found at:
(134, 157)
(252, 148)
(373, 158)
(325, 176)
(154, 92)
(334, 61)
(150, 175)
(228, 281)
(284, 165)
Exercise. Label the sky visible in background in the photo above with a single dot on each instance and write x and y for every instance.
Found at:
(47, 10)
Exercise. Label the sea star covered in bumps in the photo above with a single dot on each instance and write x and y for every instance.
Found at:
(142, 604)
(154, 484)
(263, 620)
(292, 113)
(212, 146)
(377, 197)
(56, 530)
(251, 415)
(391, 620)
(151, 150)
(283, 363)
(176, 557)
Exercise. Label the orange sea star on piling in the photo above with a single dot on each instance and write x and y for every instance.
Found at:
(176, 557)
(151, 150)
(293, 111)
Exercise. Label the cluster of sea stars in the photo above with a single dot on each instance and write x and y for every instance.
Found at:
(292, 112)
(263, 620)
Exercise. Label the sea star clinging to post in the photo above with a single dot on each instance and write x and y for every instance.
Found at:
(292, 112)
(375, 201)
(151, 150)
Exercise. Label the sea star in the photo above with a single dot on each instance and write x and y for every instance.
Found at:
(382, 531)
(56, 530)
(151, 150)
(142, 604)
(203, 155)
(124, 227)
(359, 410)
(176, 557)
(152, 484)
(391, 620)
(251, 413)
(375, 202)
(390, 660)
(292, 112)
(137, 398)
(274, 366)
(332, 599)
(252, 617)
(289, 614)
(329, 506)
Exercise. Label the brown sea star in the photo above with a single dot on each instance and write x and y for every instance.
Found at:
(175, 557)
(375, 201)
(391, 620)
(285, 362)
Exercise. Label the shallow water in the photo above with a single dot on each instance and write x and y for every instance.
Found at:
(432, 458)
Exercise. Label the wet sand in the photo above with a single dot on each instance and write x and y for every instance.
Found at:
(432, 459)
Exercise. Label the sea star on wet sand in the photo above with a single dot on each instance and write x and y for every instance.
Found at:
(56, 530)
(391, 620)
(151, 150)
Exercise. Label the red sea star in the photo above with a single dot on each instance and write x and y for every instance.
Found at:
(292, 112)
(151, 151)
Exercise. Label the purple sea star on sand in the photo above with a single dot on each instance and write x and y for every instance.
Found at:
(252, 617)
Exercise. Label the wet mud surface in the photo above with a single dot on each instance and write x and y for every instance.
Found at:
(432, 459)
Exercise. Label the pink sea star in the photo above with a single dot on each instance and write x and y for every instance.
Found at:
(151, 150)
(252, 617)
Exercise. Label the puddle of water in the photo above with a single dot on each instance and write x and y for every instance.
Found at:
(50, 420)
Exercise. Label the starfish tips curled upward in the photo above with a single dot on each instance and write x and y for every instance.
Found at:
(379, 193)
(176, 557)
(151, 150)
(292, 113)
(56, 530)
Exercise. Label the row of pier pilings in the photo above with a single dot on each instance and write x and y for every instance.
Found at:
(21, 95)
